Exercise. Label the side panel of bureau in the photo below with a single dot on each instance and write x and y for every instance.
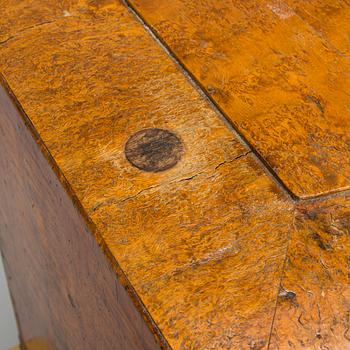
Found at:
(66, 295)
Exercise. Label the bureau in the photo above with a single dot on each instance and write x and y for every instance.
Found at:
(175, 175)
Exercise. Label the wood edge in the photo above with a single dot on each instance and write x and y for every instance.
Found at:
(160, 338)
(267, 168)
(199, 87)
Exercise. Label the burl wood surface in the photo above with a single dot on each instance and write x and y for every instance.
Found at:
(317, 271)
(279, 70)
(211, 248)
(65, 292)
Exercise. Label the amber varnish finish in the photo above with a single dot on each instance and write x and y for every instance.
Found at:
(279, 70)
(221, 242)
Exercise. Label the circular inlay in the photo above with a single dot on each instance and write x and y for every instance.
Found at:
(153, 150)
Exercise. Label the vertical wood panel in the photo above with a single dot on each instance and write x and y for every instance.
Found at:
(66, 295)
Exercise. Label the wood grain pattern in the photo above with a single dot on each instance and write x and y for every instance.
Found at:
(185, 257)
(213, 253)
(327, 19)
(281, 81)
(317, 271)
(63, 287)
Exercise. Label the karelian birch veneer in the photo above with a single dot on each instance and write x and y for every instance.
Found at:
(131, 214)
(279, 70)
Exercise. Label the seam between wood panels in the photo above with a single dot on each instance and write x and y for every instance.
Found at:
(200, 88)
(280, 285)
(111, 260)
(321, 197)
(224, 117)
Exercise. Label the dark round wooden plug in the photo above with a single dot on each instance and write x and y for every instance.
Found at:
(153, 150)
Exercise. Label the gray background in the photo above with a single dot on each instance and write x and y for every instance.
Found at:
(8, 328)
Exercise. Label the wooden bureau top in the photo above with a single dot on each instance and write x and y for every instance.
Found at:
(279, 70)
(220, 241)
